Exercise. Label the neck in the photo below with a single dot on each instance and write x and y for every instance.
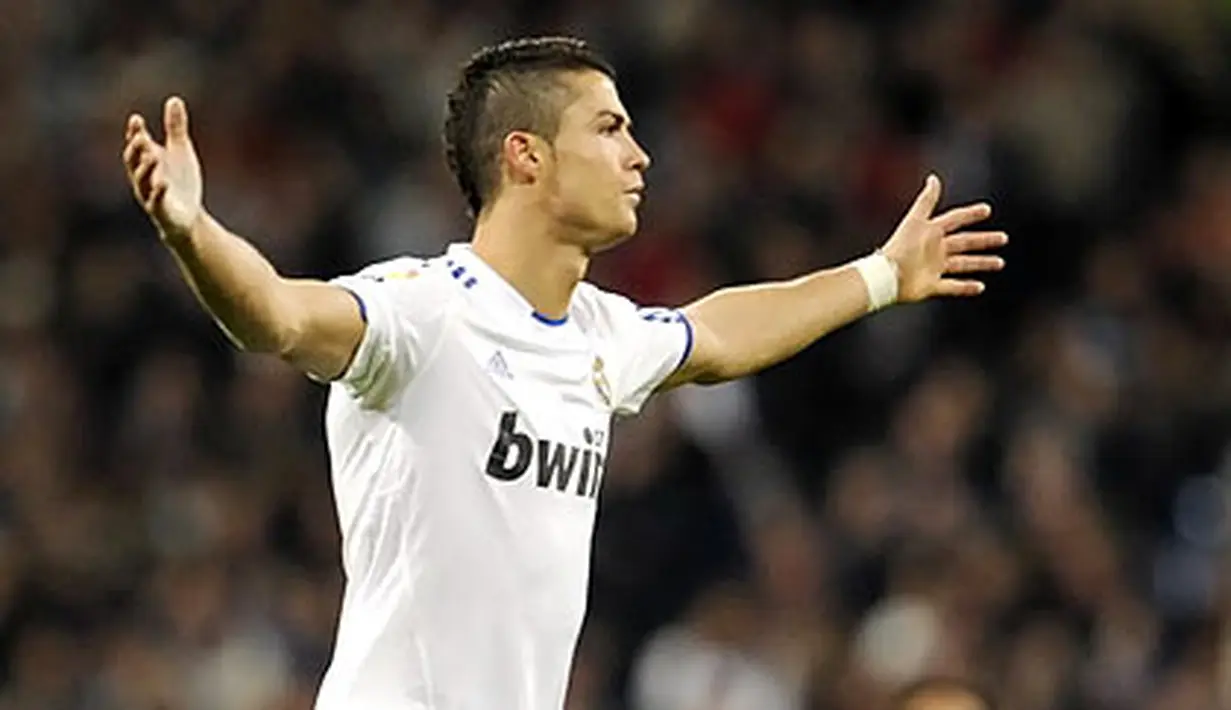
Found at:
(524, 248)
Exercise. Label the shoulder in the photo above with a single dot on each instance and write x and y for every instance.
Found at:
(601, 309)
(588, 296)
(401, 268)
(420, 275)
(598, 310)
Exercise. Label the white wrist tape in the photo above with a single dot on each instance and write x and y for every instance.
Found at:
(880, 276)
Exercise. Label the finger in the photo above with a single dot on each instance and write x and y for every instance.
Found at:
(157, 190)
(142, 176)
(132, 155)
(926, 201)
(964, 216)
(135, 151)
(959, 287)
(974, 241)
(964, 264)
(175, 119)
(136, 125)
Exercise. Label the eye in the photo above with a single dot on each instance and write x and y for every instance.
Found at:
(611, 129)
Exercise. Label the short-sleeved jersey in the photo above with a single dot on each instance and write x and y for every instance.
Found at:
(468, 441)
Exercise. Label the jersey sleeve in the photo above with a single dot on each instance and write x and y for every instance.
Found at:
(403, 310)
(645, 345)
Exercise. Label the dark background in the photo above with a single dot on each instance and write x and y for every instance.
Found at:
(1028, 490)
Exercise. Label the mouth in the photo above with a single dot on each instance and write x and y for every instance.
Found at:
(636, 192)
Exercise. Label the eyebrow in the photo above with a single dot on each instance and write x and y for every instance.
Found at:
(621, 120)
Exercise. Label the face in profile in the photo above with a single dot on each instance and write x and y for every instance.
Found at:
(596, 172)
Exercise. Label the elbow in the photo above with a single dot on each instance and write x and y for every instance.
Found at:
(724, 364)
(716, 370)
(722, 372)
(282, 332)
(287, 337)
(288, 323)
(713, 378)
(284, 343)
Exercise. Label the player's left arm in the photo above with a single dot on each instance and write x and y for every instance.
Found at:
(741, 330)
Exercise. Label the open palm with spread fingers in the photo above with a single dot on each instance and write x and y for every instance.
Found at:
(166, 179)
(929, 251)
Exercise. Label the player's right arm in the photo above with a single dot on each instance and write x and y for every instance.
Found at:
(315, 326)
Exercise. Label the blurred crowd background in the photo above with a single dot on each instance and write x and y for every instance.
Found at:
(1029, 490)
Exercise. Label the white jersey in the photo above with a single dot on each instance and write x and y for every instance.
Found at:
(468, 441)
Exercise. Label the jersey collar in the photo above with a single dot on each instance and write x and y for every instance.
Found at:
(472, 272)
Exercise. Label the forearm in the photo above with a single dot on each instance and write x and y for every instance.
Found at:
(749, 328)
(238, 286)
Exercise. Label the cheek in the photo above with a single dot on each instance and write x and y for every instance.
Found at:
(595, 159)
(582, 181)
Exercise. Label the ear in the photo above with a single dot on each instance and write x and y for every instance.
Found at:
(524, 156)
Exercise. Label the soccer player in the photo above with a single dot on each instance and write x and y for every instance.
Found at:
(470, 393)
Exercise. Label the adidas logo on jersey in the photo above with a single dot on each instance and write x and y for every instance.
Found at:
(498, 367)
(561, 466)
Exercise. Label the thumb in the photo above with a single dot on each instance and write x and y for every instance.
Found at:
(175, 120)
(928, 198)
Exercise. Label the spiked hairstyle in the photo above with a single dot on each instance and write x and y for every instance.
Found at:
(516, 85)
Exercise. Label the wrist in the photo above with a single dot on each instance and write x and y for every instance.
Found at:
(179, 237)
(880, 277)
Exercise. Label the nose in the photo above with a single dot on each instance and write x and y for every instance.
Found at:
(641, 159)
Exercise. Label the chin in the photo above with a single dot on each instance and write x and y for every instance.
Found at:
(609, 241)
(612, 234)
(621, 234)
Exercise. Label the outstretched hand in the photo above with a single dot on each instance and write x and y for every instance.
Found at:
(929, 251)
(165, 179)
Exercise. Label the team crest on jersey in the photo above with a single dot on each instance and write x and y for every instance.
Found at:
(599, 376)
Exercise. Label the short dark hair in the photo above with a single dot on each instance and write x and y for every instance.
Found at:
(939, 684)
(511, 86)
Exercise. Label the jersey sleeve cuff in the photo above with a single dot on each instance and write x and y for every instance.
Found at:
(363, 306)
(688, 341)
(359, 368)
